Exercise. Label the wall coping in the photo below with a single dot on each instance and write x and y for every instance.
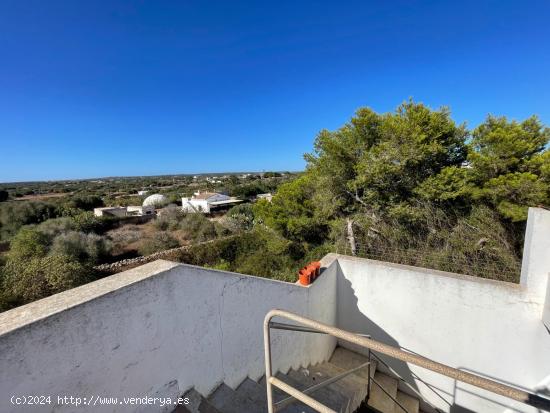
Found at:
(27, 314)
(429, 271)
(46, 307)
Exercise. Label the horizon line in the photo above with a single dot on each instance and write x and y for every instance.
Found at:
(147, 176)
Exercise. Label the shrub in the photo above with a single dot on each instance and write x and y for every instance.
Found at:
(239, 218)
(198, 228)
(86, 203)
(55, 226)
(88, 248)
(88, 222)
(14, 215)
(161, 241)
(30, 279)
(170, 219)
(28, 243)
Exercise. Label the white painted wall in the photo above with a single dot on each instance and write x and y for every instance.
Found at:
(140, 210)
(201, 205)
(536, 254)
(110, 211)
(486, 327)
(195, 205)
(156, 330)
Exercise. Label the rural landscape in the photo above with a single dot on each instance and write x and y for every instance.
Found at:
(411, 187)
(274, 207)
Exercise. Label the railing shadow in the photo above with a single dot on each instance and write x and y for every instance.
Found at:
(456, 387)
(351, 318)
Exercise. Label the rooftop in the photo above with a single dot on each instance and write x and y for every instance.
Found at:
(204, 195)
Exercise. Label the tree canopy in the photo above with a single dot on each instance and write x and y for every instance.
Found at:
(396, 179)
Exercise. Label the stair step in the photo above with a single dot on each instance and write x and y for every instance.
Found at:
(181, 409)
(254, 391)
(197, 404)
(227, 400)
(352, 386)
(347, 360)
(345, 395)
(340, 396)
(278, 395)
(258, 393)
(380, 400)
(411, 404)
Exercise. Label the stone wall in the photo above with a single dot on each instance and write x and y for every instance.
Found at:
(170, 254)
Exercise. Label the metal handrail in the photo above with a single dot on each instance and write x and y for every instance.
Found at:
(523, 396)
(293, 327)
(288, 400)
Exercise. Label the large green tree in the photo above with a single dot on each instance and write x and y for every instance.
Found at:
(413, 185)
(508, 164)
(292, 211)
(507, 168)
(376, 161)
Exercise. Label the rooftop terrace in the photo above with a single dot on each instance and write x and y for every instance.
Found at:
(164, 328)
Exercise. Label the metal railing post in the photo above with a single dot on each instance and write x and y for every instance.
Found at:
(368, 380)
(267, 350)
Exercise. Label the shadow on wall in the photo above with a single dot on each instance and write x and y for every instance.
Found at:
(355, 321)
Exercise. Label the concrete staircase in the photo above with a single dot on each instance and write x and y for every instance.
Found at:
(346, 395)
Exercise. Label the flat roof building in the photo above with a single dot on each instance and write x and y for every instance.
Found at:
(206, 202)
(117, 211)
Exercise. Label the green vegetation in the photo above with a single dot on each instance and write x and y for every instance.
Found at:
(410, 187)
(415, 188)
(194, 227)
(42, 261)
(159, 242)
(260, 252)
(50, 239)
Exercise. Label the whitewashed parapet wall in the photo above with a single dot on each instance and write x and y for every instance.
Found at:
(535, 266)
(535, 270)
(486, 327)
(156, 330)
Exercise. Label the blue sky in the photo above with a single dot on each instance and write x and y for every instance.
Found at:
(103, 88)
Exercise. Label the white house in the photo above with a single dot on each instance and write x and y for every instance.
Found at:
(116, 211)
(140, 210)
(123, 211)
(205, 202)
